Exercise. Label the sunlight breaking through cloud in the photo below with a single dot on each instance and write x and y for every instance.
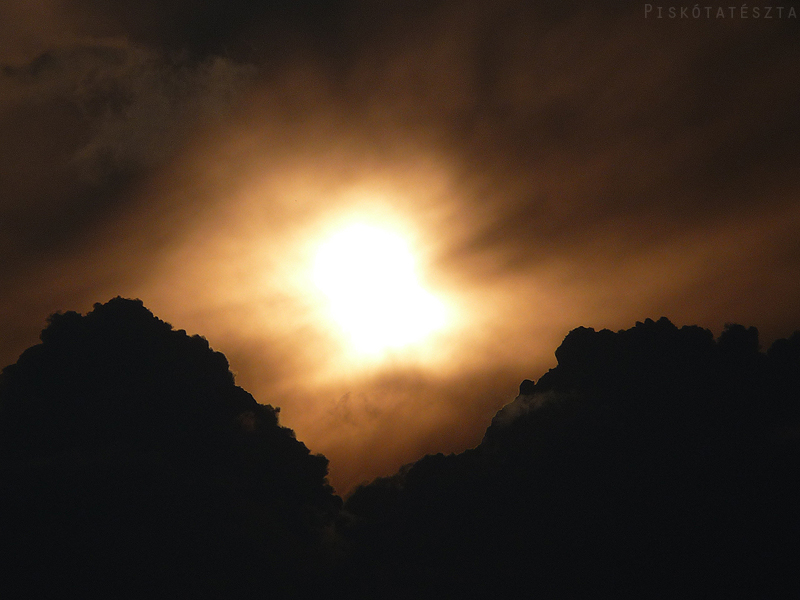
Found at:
(375, 296)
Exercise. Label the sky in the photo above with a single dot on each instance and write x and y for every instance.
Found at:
(545, 165)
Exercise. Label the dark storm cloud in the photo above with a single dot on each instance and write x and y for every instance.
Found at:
(653, 457)
(80, 121)
(650, 457)
(130, 460)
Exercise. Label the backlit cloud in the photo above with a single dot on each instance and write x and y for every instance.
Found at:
(548, 166)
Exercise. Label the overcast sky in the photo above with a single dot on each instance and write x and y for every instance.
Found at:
(550, 164)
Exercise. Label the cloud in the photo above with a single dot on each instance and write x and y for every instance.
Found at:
(126, 446)
(616, 464)
(118, 110)
(552, 164)
(524, 403)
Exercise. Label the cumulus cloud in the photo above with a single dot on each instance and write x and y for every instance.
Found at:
(130, 459)
(653, 442)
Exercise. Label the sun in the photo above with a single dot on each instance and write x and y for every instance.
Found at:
(368, 275)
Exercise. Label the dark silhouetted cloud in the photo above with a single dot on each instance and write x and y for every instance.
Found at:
(133, 466)
(650, 460)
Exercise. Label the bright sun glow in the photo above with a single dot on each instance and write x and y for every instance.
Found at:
(368, 275)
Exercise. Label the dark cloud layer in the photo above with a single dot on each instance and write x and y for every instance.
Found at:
(84, 121)
(654, 459)
(560, 163)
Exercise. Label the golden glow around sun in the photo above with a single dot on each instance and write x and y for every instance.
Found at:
(368, 276)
